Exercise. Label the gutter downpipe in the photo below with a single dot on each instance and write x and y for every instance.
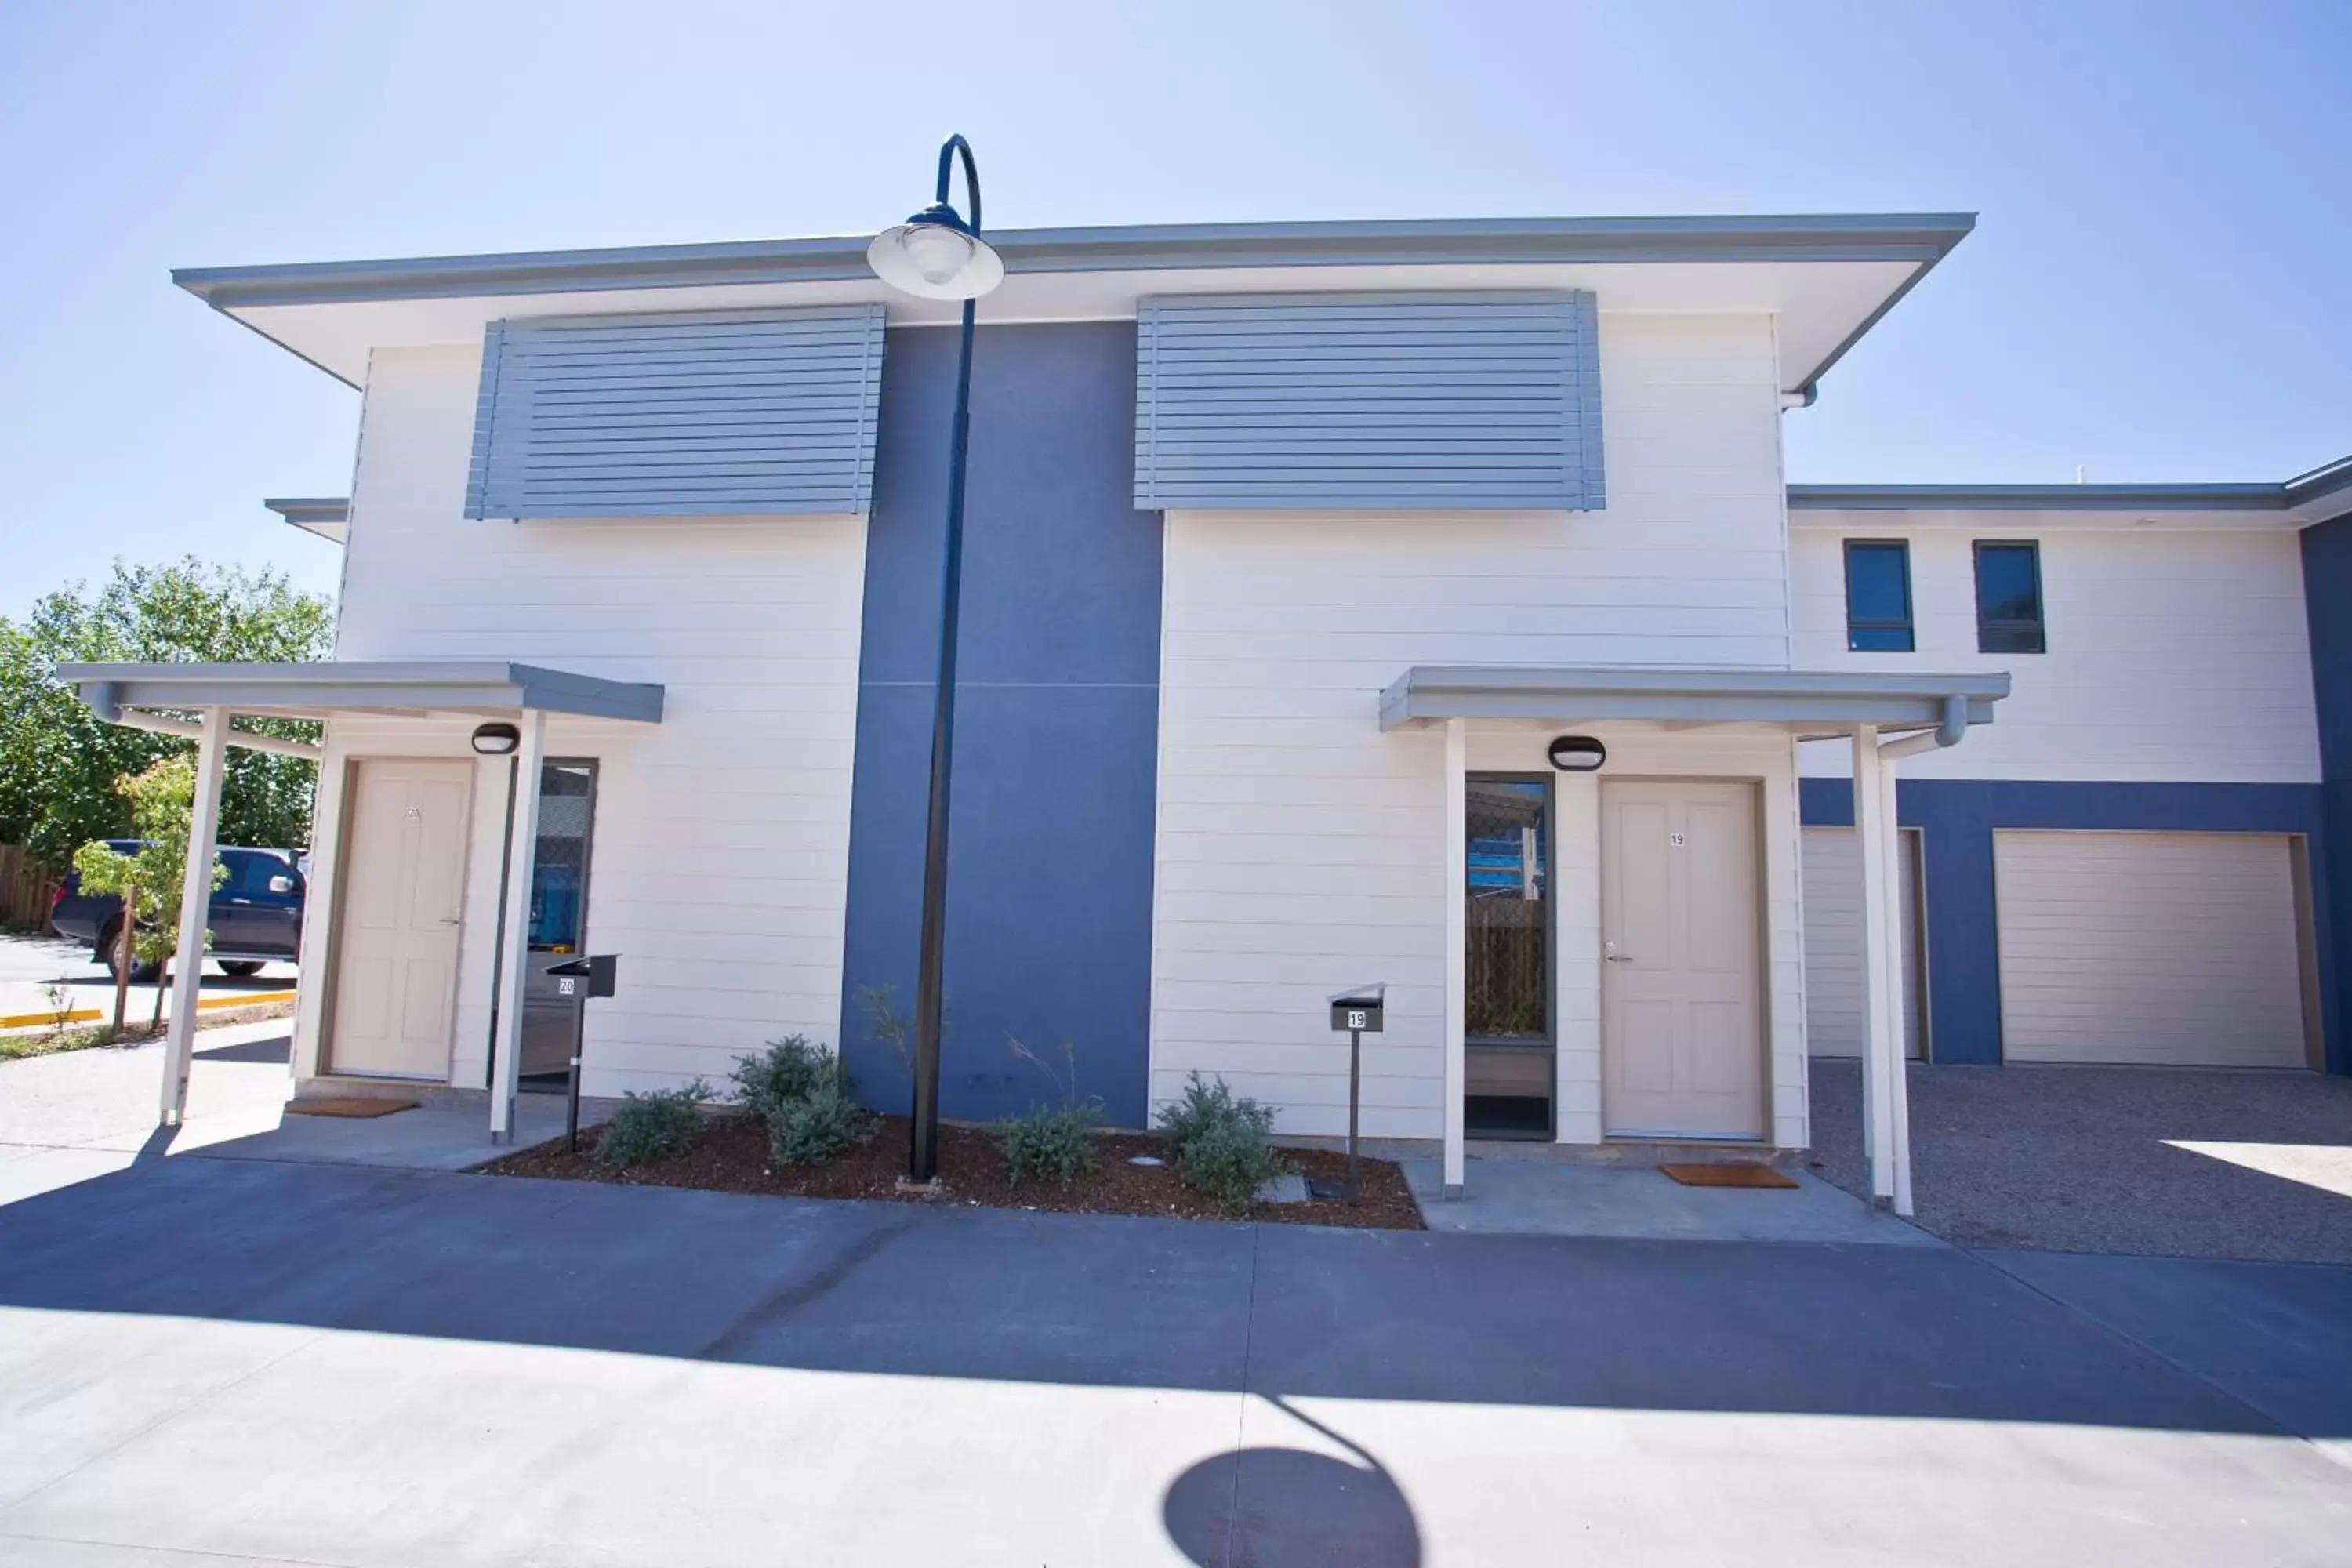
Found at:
(1948, 731)
(103, 698)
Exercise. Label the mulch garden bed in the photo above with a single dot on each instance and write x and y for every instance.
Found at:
(732, 1157)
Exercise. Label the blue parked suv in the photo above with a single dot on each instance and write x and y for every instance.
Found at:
(255, 916)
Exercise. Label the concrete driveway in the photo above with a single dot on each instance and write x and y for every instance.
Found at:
(222, 1361)
(30, 964)
(2161, 1161)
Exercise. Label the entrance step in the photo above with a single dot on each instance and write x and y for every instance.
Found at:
(1629, 1202)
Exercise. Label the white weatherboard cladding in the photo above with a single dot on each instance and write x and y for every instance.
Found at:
(2168, 949)
(692, 414)
(2173, 656)
(1487, 399)
(1301, 851)
(1832, 860)
(722, 834)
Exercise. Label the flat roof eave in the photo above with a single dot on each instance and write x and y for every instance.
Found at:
(1876, 236)
(2315, 496)
(1829, 275)
(323, 689)
(1809, 700)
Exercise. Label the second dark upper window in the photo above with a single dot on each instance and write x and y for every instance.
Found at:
(2009, 597)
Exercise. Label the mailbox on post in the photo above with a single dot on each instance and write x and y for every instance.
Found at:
(1358, 1011)
(576, 981)
(597, 969)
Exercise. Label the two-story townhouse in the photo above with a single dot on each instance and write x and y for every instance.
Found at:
(2132, 865)
(1413, 603)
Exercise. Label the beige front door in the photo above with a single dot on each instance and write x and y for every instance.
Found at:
(399, 899)
(1682, 1042)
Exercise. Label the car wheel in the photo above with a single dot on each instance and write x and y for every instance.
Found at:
(240, 967)
(141, 971)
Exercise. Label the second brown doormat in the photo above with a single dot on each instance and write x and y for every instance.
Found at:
(1720, 1175)
(348, 1107)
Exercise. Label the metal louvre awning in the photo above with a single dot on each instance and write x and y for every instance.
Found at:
(321, 690)
(1806, 702)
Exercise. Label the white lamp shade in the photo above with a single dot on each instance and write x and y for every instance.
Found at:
(935, 262)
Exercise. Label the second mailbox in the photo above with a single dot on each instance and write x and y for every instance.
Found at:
(1359, 1008)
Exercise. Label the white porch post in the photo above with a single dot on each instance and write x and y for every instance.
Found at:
(195, 913)
(1457, 767)
(1882, 1053)
(514, 939)
(323, 890)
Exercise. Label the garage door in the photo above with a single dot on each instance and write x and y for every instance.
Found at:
(1833, 942)
(2178, 949)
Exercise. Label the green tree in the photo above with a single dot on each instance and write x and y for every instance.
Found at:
(59, 763)
(163, 810)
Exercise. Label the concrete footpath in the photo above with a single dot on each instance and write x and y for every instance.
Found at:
(235, 1361)
(77, 1115)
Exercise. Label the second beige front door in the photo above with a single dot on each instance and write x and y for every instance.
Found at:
(1682, 1042)
(400, 901)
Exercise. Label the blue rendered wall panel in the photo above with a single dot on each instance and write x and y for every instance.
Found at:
(1957, 818)
(2327, 601)
(1051, 848)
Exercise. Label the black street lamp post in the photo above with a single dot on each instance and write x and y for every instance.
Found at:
(936, 254)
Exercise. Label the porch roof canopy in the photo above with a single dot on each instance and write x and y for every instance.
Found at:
(320, 690)
(1824, 702)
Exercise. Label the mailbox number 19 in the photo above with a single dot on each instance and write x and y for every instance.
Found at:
(1356, 1020)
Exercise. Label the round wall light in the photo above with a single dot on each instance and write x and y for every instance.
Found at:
(496, 739)
(1578, 754)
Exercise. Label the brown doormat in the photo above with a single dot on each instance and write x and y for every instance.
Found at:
(1722, 1176)
(348, 1107)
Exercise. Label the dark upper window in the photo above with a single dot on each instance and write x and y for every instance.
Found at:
(2009, 597)
(1877, 596)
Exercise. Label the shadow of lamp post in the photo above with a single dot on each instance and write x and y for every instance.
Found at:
(939, 255)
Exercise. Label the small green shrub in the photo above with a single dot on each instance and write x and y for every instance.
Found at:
(1049, 1145)
(817, 1126)
(1220, 1143)
(801, 1091)
(789, 1069)
(653, 1126)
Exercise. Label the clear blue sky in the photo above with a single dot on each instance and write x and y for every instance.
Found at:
(2160, 285)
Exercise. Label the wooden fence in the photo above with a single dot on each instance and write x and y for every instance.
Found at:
(26, 888)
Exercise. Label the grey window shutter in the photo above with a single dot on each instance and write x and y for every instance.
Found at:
(1477, 399)
(682, 415)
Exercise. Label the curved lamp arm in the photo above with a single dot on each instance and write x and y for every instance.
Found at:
(948, 151)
